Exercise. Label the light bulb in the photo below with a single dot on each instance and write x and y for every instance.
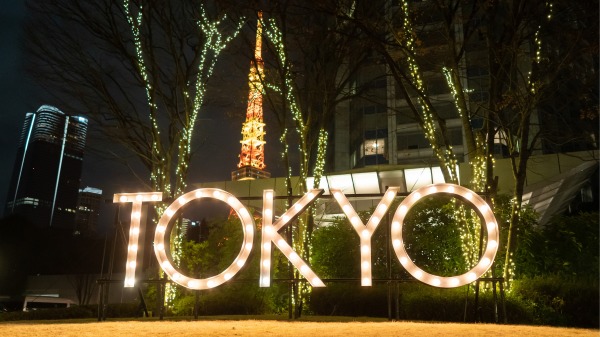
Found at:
(403, 209)
(365, 233)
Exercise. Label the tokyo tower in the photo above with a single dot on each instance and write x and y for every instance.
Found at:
(252, 154)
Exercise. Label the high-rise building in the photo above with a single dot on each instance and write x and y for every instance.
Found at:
(88, 211)
(45, 183)
(195, 230)
(378, 127)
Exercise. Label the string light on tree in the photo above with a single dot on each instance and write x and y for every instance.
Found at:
(301, 235)
(445, 154)
(177, 152)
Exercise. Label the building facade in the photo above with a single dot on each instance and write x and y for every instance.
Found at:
(88, 211)
(47, 172)
(379, 126)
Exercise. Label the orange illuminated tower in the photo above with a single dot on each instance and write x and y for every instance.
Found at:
(252, 155)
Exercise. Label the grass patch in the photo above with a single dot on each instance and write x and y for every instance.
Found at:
(275, 326)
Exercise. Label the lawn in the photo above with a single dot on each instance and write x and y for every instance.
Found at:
(272, 328)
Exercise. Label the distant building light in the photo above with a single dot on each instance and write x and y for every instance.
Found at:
(91, 190)
(50, 108)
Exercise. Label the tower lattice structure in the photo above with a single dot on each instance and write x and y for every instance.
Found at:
(252, 154)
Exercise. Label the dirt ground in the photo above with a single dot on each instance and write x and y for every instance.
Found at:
(250, 328)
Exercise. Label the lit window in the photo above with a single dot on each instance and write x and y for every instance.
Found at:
(374, 146)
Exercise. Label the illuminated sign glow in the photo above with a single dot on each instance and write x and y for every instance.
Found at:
(365, 232)
(134, 228)
(270, 235)
(481, 208)
(248, 228)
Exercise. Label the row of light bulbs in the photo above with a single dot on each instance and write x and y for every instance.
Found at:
(270, 235)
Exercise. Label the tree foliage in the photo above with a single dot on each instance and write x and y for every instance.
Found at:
(336, 251)
(431, 236)
(210, 257)
(566, 247)
(433, 239)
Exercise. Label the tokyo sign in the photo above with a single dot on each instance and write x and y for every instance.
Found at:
(270, 234)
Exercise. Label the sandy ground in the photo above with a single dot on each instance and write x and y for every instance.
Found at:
(281, 329)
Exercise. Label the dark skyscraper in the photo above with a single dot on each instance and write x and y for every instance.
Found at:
(88, 211)
(46, 176)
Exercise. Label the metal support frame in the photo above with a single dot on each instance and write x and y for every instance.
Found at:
(104, 290)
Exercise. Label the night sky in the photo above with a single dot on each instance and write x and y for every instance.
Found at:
(219, 126)
(17, 93)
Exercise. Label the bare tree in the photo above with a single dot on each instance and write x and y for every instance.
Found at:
(519, 46)
(530, 46)
(308, 75)
(138, 69)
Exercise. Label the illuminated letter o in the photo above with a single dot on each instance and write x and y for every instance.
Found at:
(481, 208)
(248, 227)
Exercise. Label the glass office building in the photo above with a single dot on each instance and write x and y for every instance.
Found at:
(47, 171)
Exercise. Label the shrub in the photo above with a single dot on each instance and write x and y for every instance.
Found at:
(416, 302)
(121, 310)
(230, 299)
(554, 300)
(543, 301)
(345, 299)
(419, 302)
(49, 314)
(567, 246)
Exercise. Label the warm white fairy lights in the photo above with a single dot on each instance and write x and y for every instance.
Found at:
(301, 236)
(213, 44)
(537, 46)
(477, 160)
(157, 175)
(211, 47)
(320, 162)
(248, 228)
(480, 207)
(274, 34)
(135, 228)
(444, 153)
